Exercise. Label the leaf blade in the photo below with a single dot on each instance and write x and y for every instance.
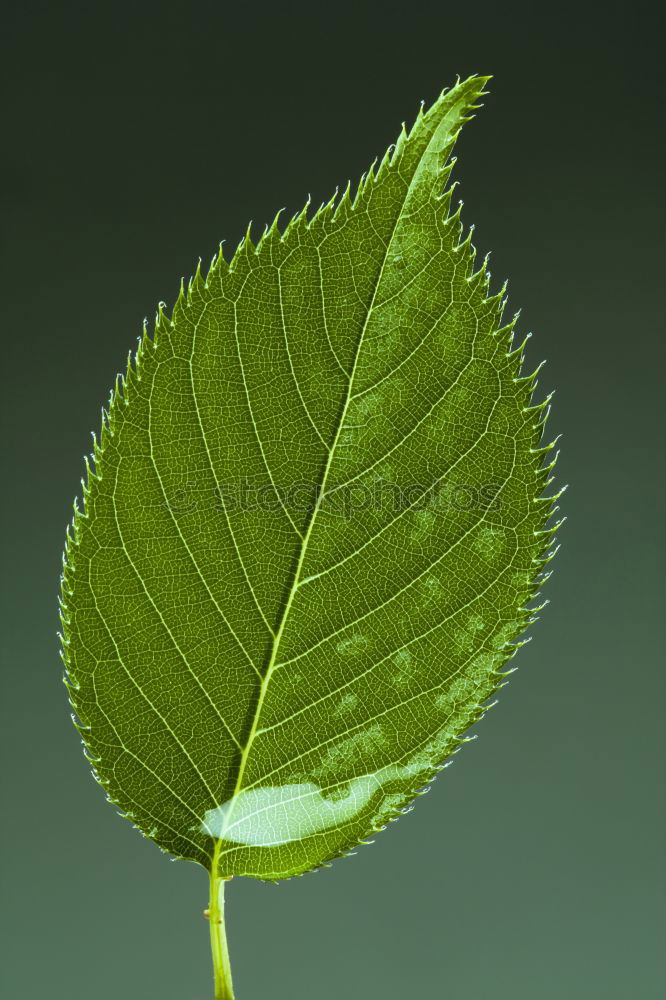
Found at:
(271, 643)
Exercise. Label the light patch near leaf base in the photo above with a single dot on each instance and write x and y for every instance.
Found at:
(268, 817)
(274, 815)
(261, 682)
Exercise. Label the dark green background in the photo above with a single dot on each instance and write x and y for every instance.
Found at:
(135, 137)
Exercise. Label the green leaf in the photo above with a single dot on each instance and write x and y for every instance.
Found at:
(315, 523)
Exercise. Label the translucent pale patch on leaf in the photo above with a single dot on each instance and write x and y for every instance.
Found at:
(432, 589)
(347, 703)
(475, 624)
(389, 806)
(505, 634)
(405, 668)
(464, 640)
(364, 406)
(351, 646)
(423, 521)
(473, 686)
(385, 472)
(279, 814)
(490, 542)
(521, 581)
(349, 750)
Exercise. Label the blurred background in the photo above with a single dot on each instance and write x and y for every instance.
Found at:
(136, 137)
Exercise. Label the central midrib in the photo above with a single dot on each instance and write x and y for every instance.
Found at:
(304, 544)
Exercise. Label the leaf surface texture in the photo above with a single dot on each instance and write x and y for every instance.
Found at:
(314, 523)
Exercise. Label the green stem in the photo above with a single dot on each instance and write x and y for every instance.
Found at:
(218, 939)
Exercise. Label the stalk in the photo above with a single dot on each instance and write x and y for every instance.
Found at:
(218, 939)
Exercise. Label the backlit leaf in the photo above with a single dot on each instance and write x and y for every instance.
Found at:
(314, 524)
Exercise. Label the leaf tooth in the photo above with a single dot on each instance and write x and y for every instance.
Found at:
(556, 496)
(408, 134)
(445, 197)
(239, 253)
(538, 429)
(365, 185)
(292, 226)
(162, 326)
(328, 209)
(96, 450)
(446, 163)
(544, 559)
(547, 534)
(546, 507)
(244, 251)
(222, 264)
(113, 416)
(517, 356)
(82, 726)
(343, 206)
(113, 411)
(90, 478)
(533, 378)
(120, 386)
(271, 233)
(301, 218)
(189, 298)
(542, 479)
(181, 303)
(546, 448)
(71, 543)
(69, 539)
(85, 494)
(65, 635)
(512, 647)
(545, 470)
(542, 471)
(386, 160)
(506, 332)
(94, 460)
(324, 214)
(499, 300)
(507, 673)
(533, 619)
(385, 164)
(65, 619)
(550, 532)
(105, 430)
(539, 607)
(450, 191)
(466, 245)
(217, 266)
(65, 591)
(298, 219)
(196, 287)
(533, 589)
(133, 374)
(454, 222)
(480, 279)
(543, 417)
(545, 577)
(538, 408)
(399, 146)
